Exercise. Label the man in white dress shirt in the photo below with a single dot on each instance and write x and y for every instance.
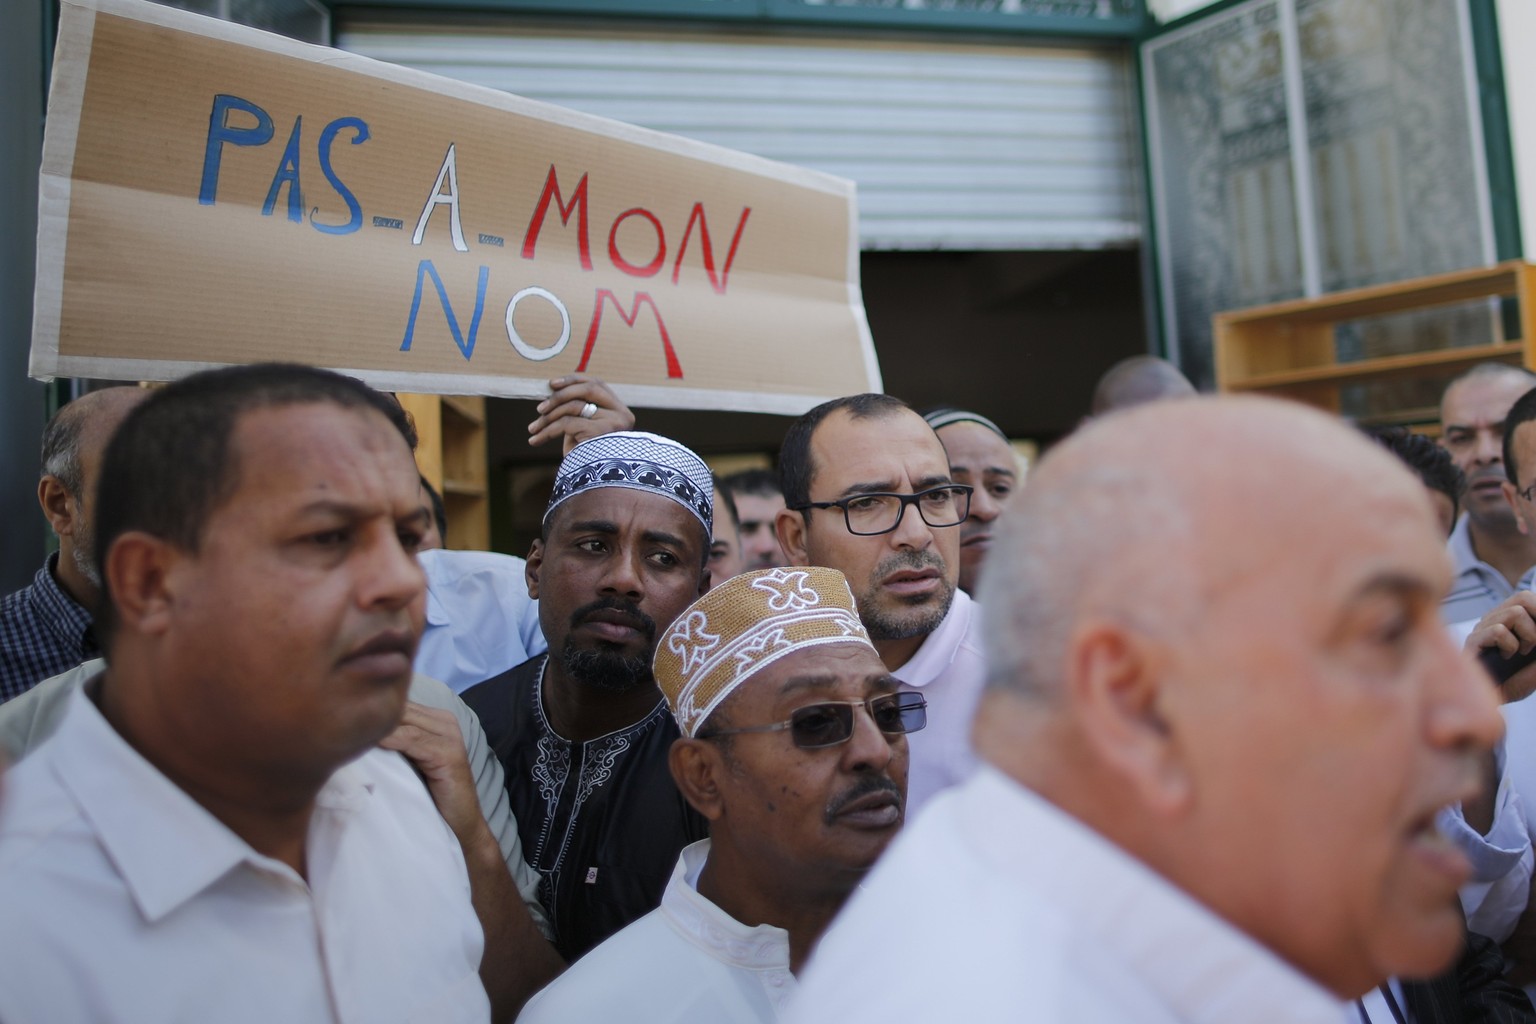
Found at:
(794, 748)
(1221, 717)
(870, 494)
(212, 833)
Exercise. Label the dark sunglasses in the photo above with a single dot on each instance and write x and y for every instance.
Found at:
(831, 722)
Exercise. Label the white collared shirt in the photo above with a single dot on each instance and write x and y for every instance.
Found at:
(996, 906)
(125, 901)
(950, 670)
(687, 962)
(480, 619)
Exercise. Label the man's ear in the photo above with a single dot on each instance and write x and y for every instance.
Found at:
(58, 505)
(790, 528)
(532, 565)
(140, 576)
(1509, 496)
(1116, 683)
(697, 766)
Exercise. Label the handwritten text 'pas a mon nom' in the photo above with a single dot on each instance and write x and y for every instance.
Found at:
(443, 197)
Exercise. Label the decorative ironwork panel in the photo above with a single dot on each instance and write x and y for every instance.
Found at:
(1394, 167)
(1222, 154)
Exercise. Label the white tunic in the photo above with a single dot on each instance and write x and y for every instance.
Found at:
(996, 906)
(950, 670)
(687, 962)
(125, 901)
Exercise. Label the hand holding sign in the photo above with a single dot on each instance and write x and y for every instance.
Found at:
(563, 414)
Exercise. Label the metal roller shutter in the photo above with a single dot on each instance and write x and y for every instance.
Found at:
(952, 146)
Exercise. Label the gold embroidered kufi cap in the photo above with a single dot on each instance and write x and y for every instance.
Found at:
(744, 625)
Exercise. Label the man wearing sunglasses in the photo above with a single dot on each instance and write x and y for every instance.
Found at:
(794, 747)
(870, 494)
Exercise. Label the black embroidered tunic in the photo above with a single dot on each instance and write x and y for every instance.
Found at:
(601, 820)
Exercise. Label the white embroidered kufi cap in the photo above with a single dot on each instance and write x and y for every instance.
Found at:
(643, 462)
(744, 625)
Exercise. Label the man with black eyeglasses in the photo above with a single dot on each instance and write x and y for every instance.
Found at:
(869, 493)
(794, 746)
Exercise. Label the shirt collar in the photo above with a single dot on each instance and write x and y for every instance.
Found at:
(938, 651)
(431, 566)
(759, 948)
(1464, 560)
(437, 615)
(166, 846)
(1203, 968)
(65, 616)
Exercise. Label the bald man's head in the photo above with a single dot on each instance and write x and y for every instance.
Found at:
(1137, 381)
(1232, 665)
(1127, 493)
(72, 446)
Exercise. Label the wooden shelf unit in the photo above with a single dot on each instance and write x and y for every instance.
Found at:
(451, 454)
(1289, 348)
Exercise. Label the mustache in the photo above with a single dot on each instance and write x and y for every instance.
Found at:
(870, 784)
(629, 609)
(913, 560)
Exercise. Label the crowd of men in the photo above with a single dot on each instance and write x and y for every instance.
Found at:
(1185, 726)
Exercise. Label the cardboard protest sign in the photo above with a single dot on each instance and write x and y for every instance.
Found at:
(213, 194)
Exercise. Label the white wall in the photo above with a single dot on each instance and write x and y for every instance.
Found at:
(1517, 36)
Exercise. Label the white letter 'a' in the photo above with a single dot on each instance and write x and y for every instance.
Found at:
(450, 199)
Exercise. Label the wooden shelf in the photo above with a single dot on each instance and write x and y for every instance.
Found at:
(1291, 347)
(1424, 419)
(451, 455)
(1378, 299)
(1386, 366)
(470, 407)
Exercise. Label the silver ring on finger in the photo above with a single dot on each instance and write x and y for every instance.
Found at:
(589, 410)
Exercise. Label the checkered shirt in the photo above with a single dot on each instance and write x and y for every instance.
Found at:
(43, 631)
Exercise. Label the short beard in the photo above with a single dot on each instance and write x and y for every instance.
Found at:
(605, 670)
(83, 553)
(892, 624)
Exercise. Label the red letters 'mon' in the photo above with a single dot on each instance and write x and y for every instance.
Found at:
(674, 368)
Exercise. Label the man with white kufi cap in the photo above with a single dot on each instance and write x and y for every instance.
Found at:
(794, 748)
(582, 731)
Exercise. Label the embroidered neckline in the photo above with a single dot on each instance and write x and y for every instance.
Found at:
(645, 722)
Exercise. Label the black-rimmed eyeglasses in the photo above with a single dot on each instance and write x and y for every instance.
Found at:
(831, 722)
(869, 515)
